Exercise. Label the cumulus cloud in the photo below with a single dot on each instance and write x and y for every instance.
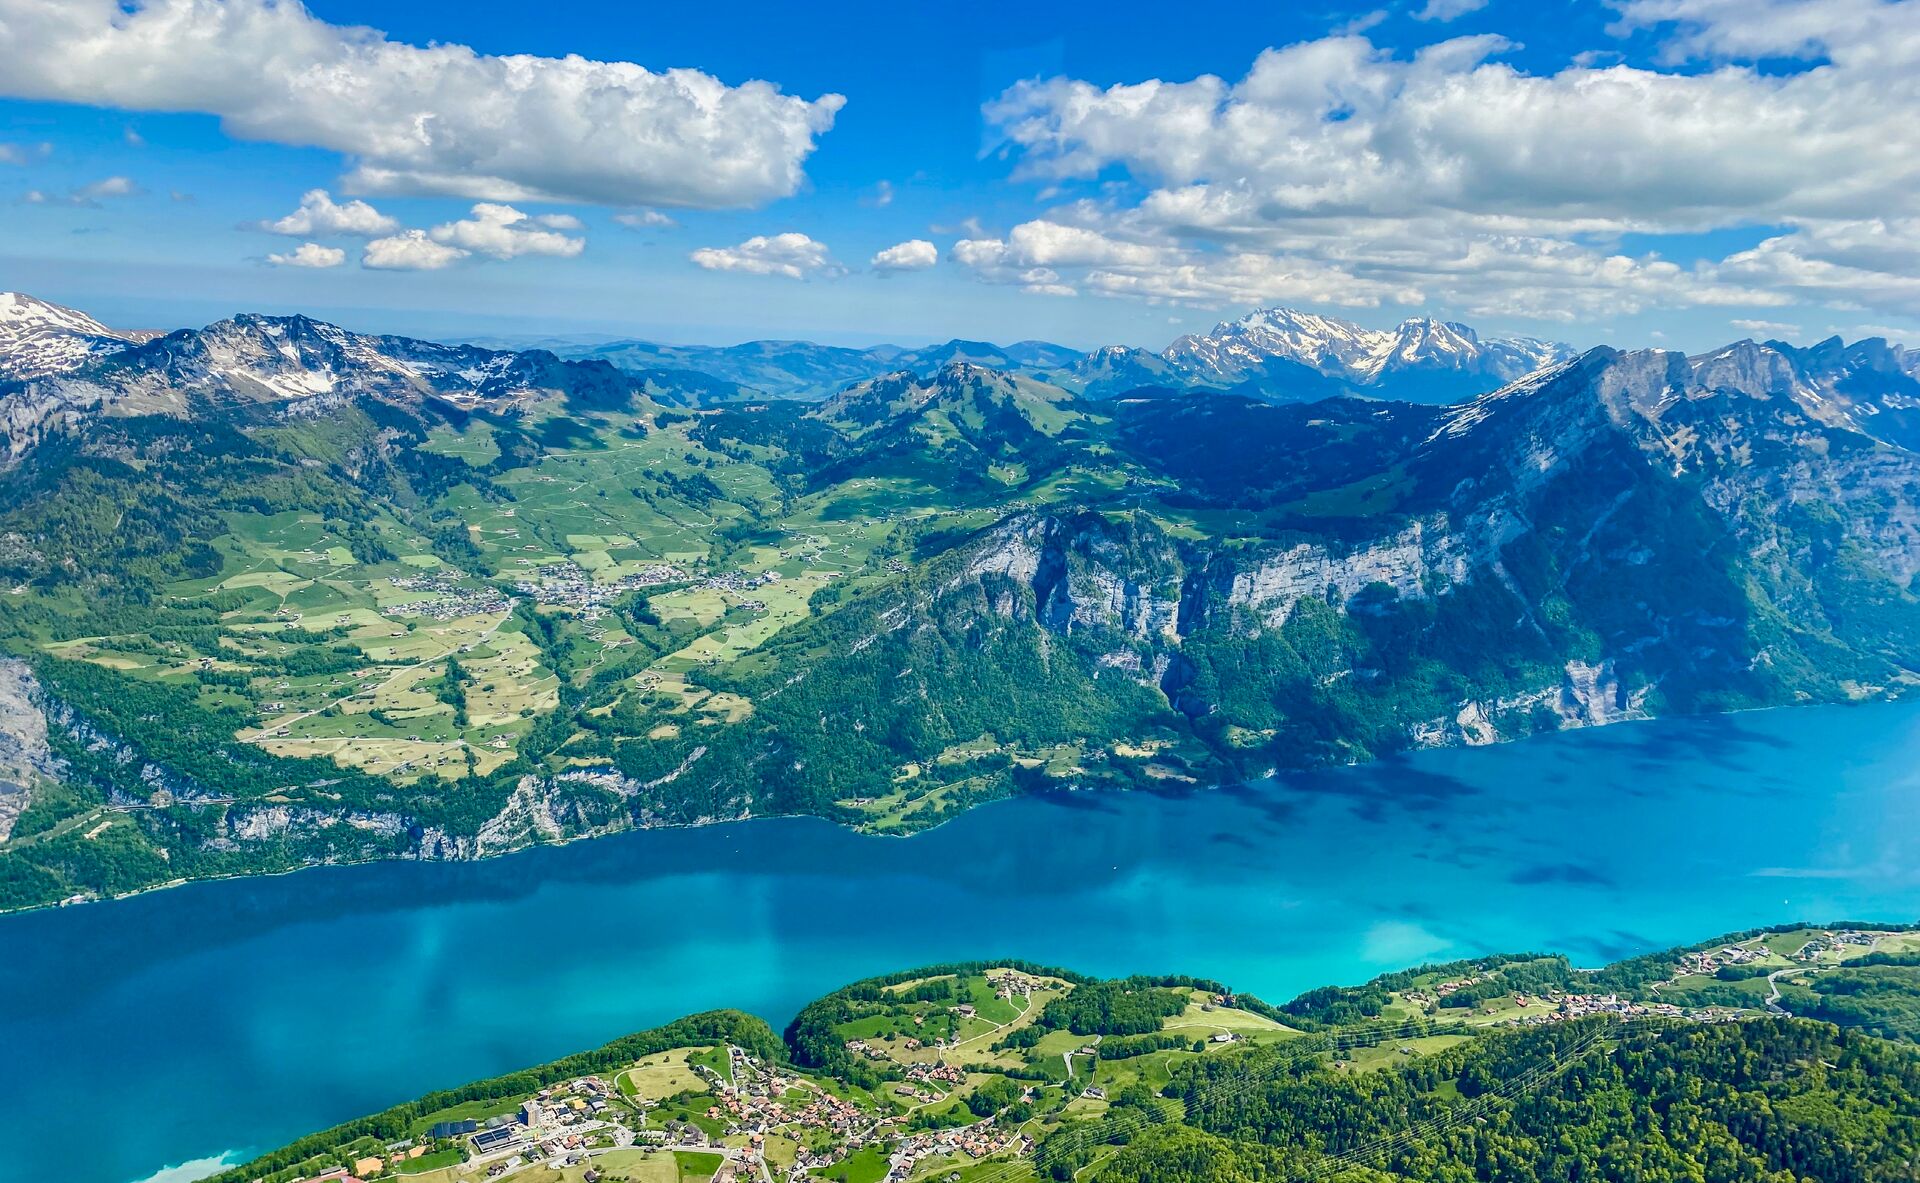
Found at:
(1448, 10)
(1349, 174)
(319, 214)
(439, 119)
(792, 254)
(409, 250)
(644, 219)
(503, 232)
(915, 254)
(310, 254)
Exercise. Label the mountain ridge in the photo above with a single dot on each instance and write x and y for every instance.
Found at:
(1277, 354)
(399, 599)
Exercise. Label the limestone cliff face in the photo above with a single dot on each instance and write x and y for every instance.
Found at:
(1129, 577)
(1414, 561)
(26, 760)
(1085, 571)
(1589, 695)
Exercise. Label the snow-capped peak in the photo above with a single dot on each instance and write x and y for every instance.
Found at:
(39, 338)
(1325, 343)
(1422, 358)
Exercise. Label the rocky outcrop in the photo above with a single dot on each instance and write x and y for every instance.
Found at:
(1411, 561)
(26, 759)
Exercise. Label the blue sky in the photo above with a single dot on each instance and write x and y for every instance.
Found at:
(1675, 172)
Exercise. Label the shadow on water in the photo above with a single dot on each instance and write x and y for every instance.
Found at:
(1569, 873)
(1590, 950)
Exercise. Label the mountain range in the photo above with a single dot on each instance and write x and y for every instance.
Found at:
(1276, 355)
(1273, 354)
(276, 592)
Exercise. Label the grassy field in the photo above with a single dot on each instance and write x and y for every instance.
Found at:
(659, 1077)
(696, 1166)
(866, 1165)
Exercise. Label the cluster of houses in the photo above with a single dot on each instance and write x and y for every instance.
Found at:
(451, 599)
(570, 1104)
(979, 1140)
(936, 1074)
(1568, 1007)
(1835, 942)
(754, 1100)
(1007, 984)
(569, 585)
(1442, 990)
(1712, 960)
(740, 581)
(566, 1123)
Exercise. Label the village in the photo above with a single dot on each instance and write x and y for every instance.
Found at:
(567, 584)
(451, 599)
(572, 1124)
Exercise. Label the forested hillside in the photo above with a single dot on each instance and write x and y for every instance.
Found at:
(276, 593)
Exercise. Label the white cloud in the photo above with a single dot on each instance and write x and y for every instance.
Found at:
(108, 187)
(24, 153)
(1361, 23)
(503, 232)
(409, 250)
(440, 119)
(1343, 173)
(310, 254)
(1040, 281)
(1871, 263)
(980, 252)
(1336, 126)
(1771, 328)
(320, 214)
(90, 195)
(915, 254)
(645, 219)
(791, 254)
(1448, 10)
(559, 222)
(1749, 29)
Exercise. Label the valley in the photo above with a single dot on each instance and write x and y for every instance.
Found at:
(882, 594)
(277, 594)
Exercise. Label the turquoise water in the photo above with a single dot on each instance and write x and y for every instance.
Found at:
(223, 1018)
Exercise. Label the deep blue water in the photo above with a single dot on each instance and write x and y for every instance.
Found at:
(229, 1017)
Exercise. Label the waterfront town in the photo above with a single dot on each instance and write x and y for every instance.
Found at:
(945, 1075)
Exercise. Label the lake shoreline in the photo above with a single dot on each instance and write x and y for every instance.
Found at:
(291, 1003)
(646, 827)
